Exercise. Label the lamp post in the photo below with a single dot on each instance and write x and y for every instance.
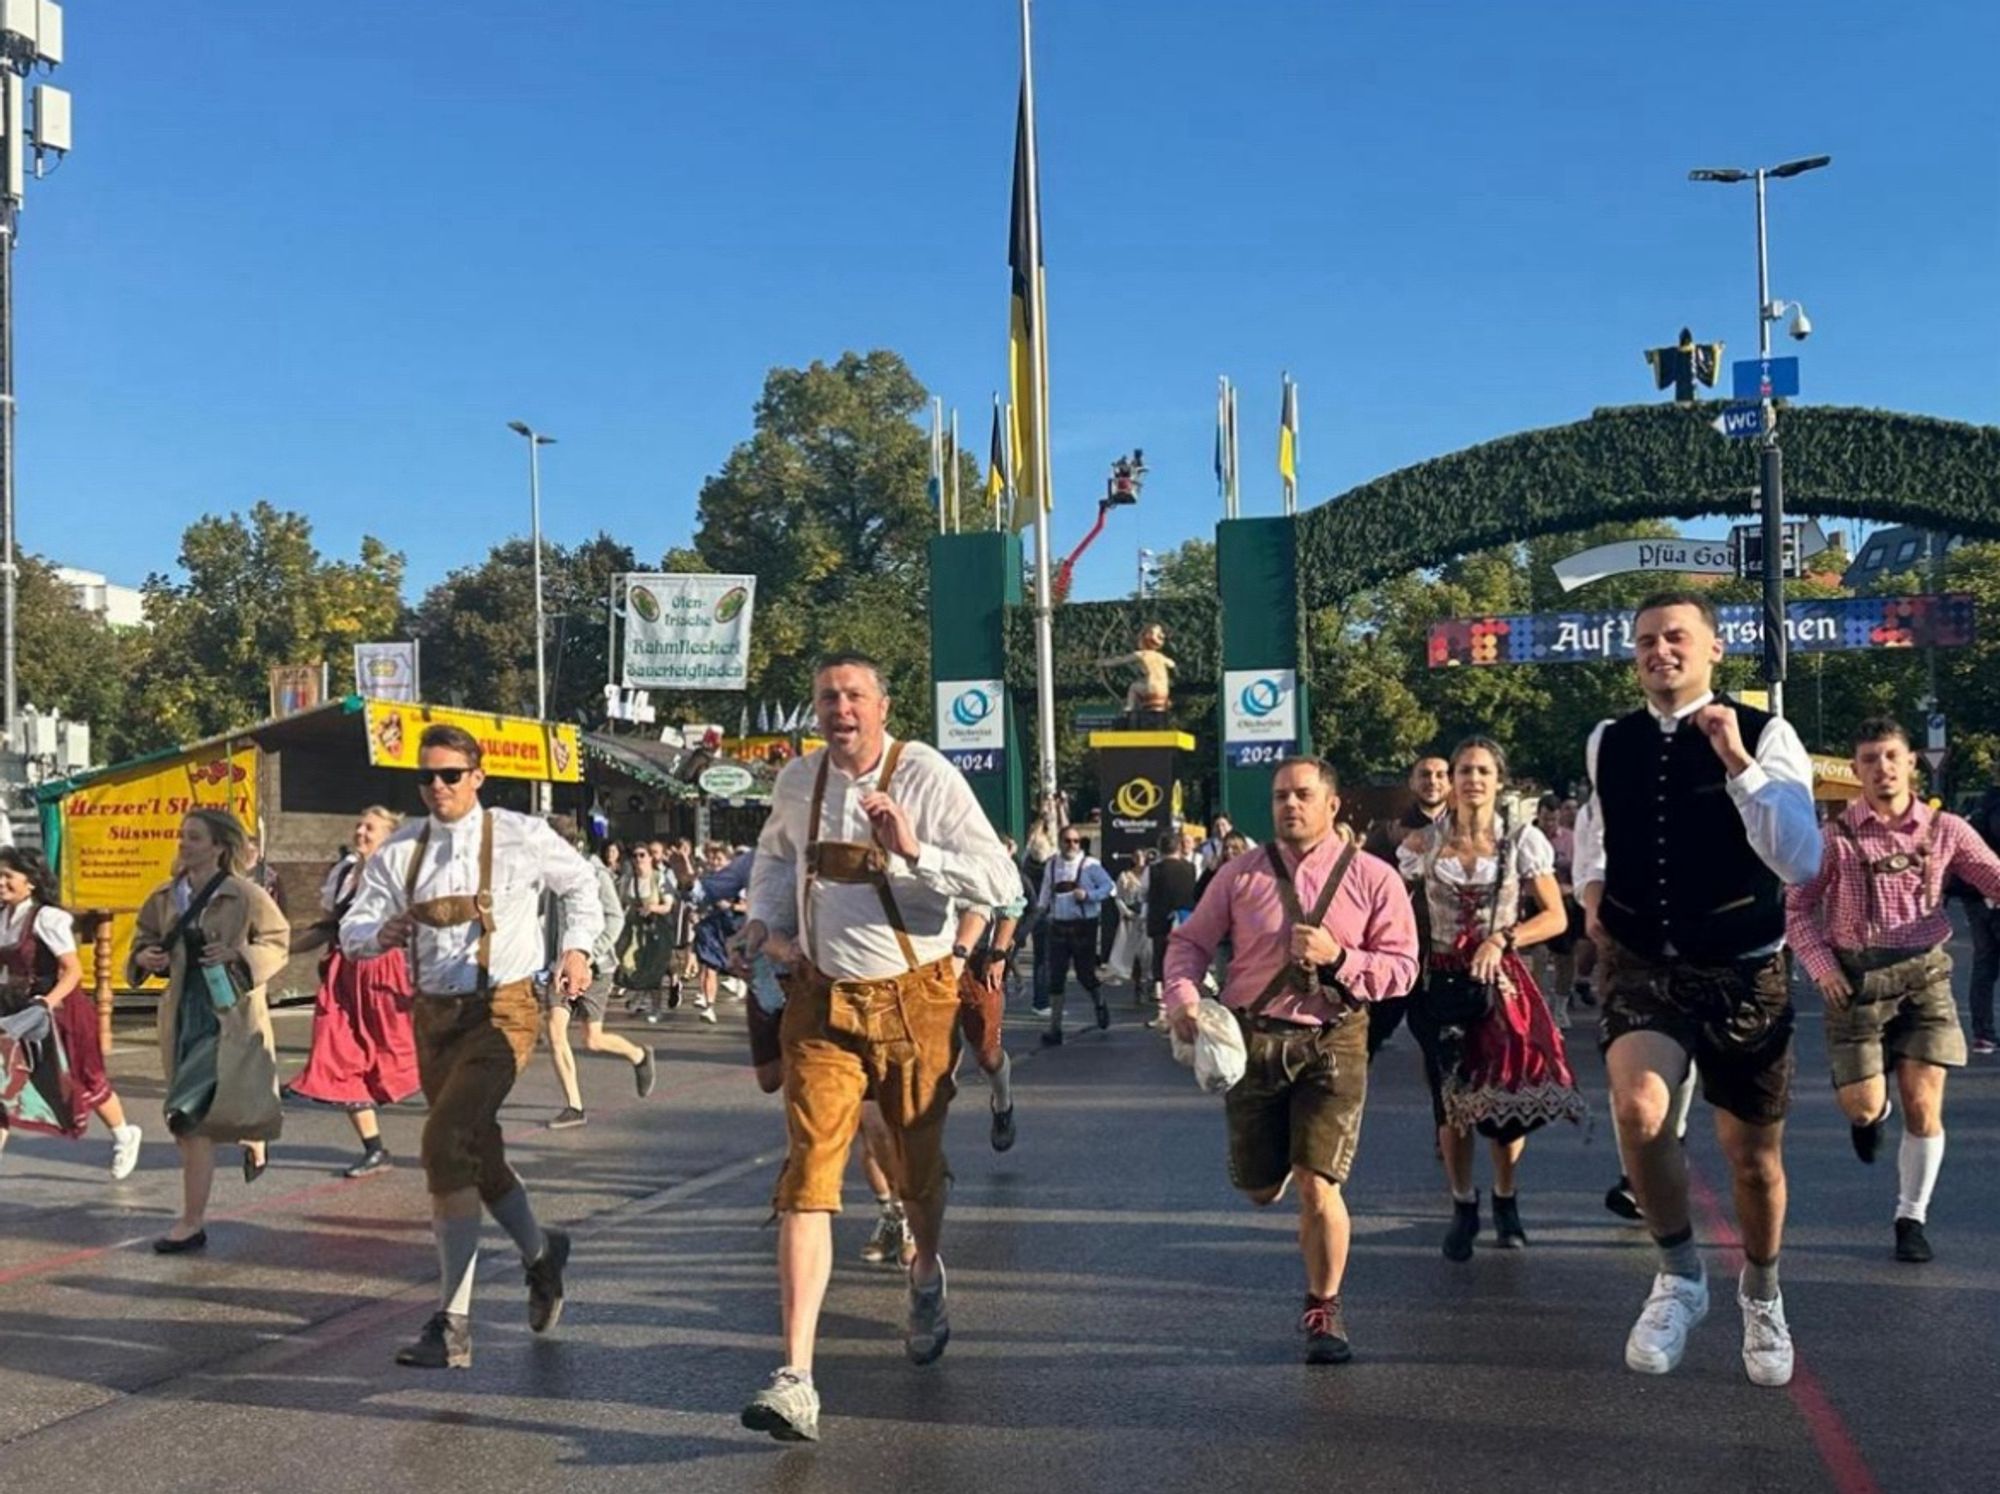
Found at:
(1770, 461)
(536, 441)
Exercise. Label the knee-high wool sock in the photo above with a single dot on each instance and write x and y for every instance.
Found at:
(1917, 1163)
(514, 1215)
(458, 1261)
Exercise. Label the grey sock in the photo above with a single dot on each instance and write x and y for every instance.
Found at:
(1678, 1256)
(458, 1260)
(513, 1214)
(1759, 1282)
(1002, 1080)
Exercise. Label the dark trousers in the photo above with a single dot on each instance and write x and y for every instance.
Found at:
(1039, 995)
(1160, 964)
(1072, 943)
(1985, 923)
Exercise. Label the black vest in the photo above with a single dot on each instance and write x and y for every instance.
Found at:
(1678, 867)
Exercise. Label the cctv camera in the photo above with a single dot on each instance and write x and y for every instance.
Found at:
(1801, 327)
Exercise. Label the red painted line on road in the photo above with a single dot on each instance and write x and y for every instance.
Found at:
(1832, 1439)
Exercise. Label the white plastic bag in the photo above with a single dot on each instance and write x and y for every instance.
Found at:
(1217, 1054)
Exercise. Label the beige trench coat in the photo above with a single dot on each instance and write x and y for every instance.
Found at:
(242, 918)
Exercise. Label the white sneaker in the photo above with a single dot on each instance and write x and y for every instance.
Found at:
(1659, 1338)
(125, 1151)
(705, 1011)
(1767, 1341)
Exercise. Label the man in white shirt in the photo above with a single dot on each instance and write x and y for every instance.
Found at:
(461, 891)
(1702, 815)
(872, 848)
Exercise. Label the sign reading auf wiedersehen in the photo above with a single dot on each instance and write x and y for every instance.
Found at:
(688, 632)
(1765, 378)
(1260, 716)
(1942, 621)
(972, 724)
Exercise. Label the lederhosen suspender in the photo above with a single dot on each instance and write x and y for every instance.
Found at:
(1289, 976)
(850, 862)
(1892, 865)
(445, 912)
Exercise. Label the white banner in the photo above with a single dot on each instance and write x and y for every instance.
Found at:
(1261, 715)
(386, 671)
(1690, 557)
(972, 724)
(688, 632)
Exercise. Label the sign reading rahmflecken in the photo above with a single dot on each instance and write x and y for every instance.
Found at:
(972, 724)
(1261, 715)
(688, 632)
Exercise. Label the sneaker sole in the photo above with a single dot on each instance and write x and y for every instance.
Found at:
(762, 1418)
(1768, 1379)
(1329, 1354)
(931, 1355)
(456, 1361)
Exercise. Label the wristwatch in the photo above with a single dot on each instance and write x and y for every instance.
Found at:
(960, 952)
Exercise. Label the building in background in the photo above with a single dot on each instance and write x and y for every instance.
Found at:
(1889, 551)
(119, 606)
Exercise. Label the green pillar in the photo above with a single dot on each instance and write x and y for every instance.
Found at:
(975, 578)
(1264, 704)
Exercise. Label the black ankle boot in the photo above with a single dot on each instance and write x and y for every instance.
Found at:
(1507, 1223)
(1464, 1230)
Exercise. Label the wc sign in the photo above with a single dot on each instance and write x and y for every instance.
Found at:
(972, 724)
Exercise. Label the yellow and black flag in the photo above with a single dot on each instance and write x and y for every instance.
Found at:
(996, 471)
(1685, 364)
(1027, 353)
(1288, 434)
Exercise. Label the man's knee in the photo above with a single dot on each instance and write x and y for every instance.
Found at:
(1860, 1102)
(1756, 1156)
(1641, 1112)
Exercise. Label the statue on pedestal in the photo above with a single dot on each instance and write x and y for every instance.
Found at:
(1149, 698)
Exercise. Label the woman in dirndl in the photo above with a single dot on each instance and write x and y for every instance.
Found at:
(217, 938)
(1507, 1073)
(364, 1051)
(53, 1083)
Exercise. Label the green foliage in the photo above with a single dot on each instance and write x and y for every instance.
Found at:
(256, 593)
(1189, 570)
(69, 660)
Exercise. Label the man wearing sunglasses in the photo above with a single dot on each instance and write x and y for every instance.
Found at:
(461, 891)
(1074, 888)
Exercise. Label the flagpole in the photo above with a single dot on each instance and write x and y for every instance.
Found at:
(1045, 647)
(935, 485)
(956, 524)
(1235, 461)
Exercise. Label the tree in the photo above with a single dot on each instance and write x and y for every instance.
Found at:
(826, 505)
(70, 660)
(256, 593)
(1188, 571)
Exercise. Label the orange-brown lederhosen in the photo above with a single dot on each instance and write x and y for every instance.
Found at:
(893, 1039)
(470, 1049)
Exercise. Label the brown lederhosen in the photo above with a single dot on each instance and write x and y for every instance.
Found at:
(893, 1039)
(470, 1049)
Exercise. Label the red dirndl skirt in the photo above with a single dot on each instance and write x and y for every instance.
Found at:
(364, 1052)
(1513, 1074)
(84, 1083)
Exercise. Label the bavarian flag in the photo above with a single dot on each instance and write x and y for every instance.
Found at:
(1027, 356)
(1288, 434)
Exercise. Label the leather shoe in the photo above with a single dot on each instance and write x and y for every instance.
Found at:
(168, 1245)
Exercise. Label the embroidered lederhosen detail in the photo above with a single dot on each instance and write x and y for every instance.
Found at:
(851, 863)
(1893, 865)
(457, 909)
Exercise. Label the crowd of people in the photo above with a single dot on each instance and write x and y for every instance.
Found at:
(873, 933)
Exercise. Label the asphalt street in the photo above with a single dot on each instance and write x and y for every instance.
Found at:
(1120, 1318)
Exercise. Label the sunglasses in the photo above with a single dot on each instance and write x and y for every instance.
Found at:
(428, 776)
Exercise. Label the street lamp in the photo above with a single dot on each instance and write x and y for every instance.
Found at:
(1770, 461)
(536, 441)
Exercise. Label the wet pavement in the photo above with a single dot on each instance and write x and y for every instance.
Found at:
(1120, 1319)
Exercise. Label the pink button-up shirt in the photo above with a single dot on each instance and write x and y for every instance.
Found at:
(1830, 912)
(1371, 920)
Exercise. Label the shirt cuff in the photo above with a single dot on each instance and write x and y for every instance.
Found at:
(1745, 785)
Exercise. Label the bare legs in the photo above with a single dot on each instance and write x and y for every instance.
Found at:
(1324, 1227)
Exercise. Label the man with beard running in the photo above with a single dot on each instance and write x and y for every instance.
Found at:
(1430, 791)
(1871, 931)
(1703, 814)
(1319, 932)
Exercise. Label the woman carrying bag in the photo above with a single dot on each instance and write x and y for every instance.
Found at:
(218, 938)
(1492, 1056)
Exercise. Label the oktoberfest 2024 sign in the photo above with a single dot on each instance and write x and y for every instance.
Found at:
(1943, 621)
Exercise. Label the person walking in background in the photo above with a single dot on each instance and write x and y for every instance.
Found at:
(1982, 916)
(1169, 899)
(1035, 858)
(217, 938)
(1074, 887)
(66, 1081)
(1430, 790)
(590, 1006)
(364, 1051)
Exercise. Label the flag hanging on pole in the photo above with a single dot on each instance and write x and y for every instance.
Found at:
(1288, 433)
(934, 483)
(1027, 356)
(743, 722)
(1235, 459)
(996, 469)
(763, 718)
(1222, 441)
(951, 469)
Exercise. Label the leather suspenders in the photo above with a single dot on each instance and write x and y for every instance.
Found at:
(1289, 976)
(851, 862)
(458, 908)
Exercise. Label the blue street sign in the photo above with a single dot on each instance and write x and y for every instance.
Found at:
(1766, 378)
(1740, 421)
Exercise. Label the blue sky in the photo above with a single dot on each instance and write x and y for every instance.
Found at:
(321, 254)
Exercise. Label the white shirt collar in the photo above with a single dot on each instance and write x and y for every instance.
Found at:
(1672, 723)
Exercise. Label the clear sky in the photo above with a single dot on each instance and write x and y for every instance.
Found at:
(322, 253)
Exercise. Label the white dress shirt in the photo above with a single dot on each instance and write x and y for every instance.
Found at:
(1773, 796)
(960, 861)
(528, 859)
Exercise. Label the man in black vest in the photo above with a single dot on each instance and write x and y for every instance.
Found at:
(1703, 813)
(1430, 794)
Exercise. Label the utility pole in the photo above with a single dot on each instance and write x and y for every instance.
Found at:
(35, 119)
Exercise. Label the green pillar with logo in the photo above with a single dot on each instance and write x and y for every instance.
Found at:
(975, 578)
(1264, 701)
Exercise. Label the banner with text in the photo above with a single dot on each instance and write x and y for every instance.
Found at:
(510, 746)
(688, 632)
(1261, 721)
(386, 671)
(121, 832)
(1818, 627)
(972, 724)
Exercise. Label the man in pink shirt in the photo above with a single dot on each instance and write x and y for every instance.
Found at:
(1870, 930)
(1315, 931)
